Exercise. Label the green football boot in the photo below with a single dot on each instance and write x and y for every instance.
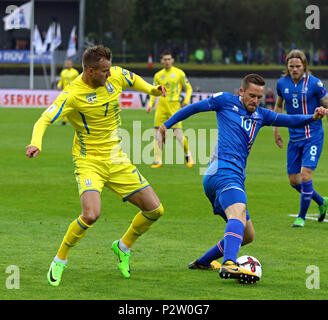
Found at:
(55, 273)
(323, 209)
(123, 258)
(299, 222)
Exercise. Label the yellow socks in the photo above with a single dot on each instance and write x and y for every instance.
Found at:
(76, 231)
(185, 146)
(140, 224)
(157, 152)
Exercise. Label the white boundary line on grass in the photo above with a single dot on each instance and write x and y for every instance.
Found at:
(309, 216)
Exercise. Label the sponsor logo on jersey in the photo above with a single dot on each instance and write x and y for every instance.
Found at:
(235, 108)
(286, 90)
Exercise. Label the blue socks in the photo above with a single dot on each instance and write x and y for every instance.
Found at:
(233, 237)
(213, 254)
(307, 194)
(315, 196)
(229, 246)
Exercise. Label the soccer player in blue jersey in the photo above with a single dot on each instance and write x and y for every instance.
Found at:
(302, 93)
(239, 119)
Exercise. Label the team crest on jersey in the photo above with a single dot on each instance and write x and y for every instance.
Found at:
(304, 90)
(172, 75)
(88, 182)
(109, 87)
(91, 98)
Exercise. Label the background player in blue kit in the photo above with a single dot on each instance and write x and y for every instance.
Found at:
(302, 93)
(239, 118)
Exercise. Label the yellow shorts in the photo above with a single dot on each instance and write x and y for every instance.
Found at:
(123, 179)
(164, 112)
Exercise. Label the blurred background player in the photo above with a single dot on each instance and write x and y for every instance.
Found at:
(239, 118)
(174, 80)
(67, 75)
(302, 93)
(91, 103)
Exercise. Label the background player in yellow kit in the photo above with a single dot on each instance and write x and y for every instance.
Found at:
(91, 103)
(67, 75)
(173, 79)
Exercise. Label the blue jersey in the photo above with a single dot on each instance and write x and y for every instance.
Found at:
(302, 98)
(237, 128)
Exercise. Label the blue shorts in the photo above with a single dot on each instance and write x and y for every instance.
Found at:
(224, 188)
(304, 153)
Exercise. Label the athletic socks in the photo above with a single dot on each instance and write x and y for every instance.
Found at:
(229, 246)
(306, 197)
(233, 238)
(315, 195)
(214, 253)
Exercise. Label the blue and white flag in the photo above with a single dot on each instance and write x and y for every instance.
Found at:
(20, 18)
(37, 41)
(57, 40)
(71, 50)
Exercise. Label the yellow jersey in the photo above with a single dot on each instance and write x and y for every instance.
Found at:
(174, 79)
(66, 77)
(93, 112)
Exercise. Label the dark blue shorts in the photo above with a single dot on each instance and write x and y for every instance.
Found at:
(224, 188)
(304, 153)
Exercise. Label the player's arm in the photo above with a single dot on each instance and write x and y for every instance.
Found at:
(278, 108)
(60, 108)
(324, 101)
(152, 98)
(184, 113)
(188, 88)
(145, 87)
(293, 121)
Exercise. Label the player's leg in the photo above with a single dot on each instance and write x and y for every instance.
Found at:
(160, 117)
(90, 186)
(302, 181)
(131, 186)
(177, 132)
(158, 149)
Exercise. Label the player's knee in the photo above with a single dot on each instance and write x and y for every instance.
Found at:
(154, 214)
(90, 215)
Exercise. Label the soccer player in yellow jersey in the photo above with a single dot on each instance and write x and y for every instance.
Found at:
(174, 79)
(66, 77)
(91, 103)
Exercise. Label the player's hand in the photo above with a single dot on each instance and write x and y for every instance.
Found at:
(32, 151)
(319, 113)
(148, 109)
(278, 138)
(162, 131)
(162, 89)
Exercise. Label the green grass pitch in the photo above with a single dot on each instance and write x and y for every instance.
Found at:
(39, 199)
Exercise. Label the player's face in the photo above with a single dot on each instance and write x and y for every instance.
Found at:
(69, 64)
(295, 68)
(100, 73)
(251, 97)
(167, 61)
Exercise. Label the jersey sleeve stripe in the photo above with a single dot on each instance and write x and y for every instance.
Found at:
(59, 112)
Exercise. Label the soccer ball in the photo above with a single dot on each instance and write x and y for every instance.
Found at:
(251, 264)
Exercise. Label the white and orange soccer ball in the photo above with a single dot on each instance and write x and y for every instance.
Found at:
(251, 264)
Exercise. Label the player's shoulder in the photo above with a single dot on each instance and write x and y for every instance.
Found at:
(177, 70)
(283, 80)
(315, 81)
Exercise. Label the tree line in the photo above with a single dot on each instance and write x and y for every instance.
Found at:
(134, 28)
